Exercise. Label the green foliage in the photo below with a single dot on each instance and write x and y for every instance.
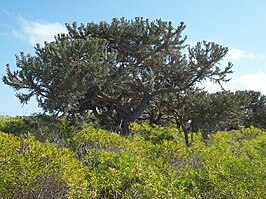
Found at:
(60, 68)
(210, 112)
(29, 168)
(154, 133)
(16, 126)
(125, 167)
(44, 128)
(114, 70)
(255, 109)
(153, 162)
(229, 165)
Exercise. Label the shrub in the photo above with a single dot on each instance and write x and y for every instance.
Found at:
(44, 128)
(153, 162)
(125, 167)
(229, 165)
(31, 169)
(15, 125)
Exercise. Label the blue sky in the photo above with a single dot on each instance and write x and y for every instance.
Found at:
(237, 24)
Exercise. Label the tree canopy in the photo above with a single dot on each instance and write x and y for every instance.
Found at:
(114, 70)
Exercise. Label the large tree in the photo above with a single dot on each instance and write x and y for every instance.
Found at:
(114, 69)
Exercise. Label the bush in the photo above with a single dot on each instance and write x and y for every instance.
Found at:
(153, 162)
(15, 125)
(31, 169)
(44, 128)
(124, 167)
(229, 165)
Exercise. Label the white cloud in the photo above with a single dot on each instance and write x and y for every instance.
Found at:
(236, 54)
(212, 87)
(38, 32)
(252, 81)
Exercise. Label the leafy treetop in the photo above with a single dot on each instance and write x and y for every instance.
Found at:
(114, 69)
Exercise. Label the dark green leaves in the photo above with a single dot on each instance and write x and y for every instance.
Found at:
(115, 69)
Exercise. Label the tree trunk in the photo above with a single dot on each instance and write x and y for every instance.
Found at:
(125, 127)
(186, 137)
(158, 118)
(134, 114)
(153, 120)
(185, 130)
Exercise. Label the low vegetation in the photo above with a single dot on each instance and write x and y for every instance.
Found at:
(41, 157)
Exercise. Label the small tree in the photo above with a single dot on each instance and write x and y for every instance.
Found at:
(255, 109)
(114, 70)
(207, 112)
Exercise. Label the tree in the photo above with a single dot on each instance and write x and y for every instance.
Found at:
(218, 111)
(255, 109)
(208, 112)
(115, 70)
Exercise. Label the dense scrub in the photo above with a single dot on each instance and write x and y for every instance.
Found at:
(154, 162)
(31, 169)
